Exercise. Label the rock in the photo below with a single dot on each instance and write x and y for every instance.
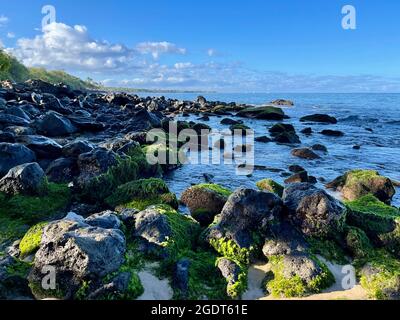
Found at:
(284, 133)
(296, 168)
(263, 139)
(270, 185)
(207, 198)
(204, 118)
(357, 183)
(314, 211)
(220, 144)
(7, 120)
(144, 120)
(229, 122)
(229, 270)
(264, 113)
(7, 137)
(356, 147)
(86, 124)
(305, 153)
(332, 133)
(307, 131)
(95, 162)
(62, 170)
(319, 147)
(322, 118)
(18, 112)
(297, 178)
(181, 278)
(105, 220)
(282, 102)
(43, 147)
(78, 253)
(25, 179)
(50, 102)
(20, 131)
(76, 148)
(55, 125)
(12, 155)
(247, 212)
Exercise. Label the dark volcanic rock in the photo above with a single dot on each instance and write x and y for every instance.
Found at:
(7, 120)
(42, 146)
(62, 170)
(12, 155)
(322, 118)
(332, 133)
(284, 133)
(76, 148)
(55, 125)
(305, 153)
(26, 179)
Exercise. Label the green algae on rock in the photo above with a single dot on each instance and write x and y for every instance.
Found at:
(31, 240)
(270, 186)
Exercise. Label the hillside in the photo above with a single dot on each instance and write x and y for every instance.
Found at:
(12, 69)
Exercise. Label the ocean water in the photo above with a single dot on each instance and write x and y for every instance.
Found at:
(380, 149)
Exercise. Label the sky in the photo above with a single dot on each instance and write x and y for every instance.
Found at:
(225, 46)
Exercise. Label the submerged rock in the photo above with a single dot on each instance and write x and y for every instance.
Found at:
(323, 118)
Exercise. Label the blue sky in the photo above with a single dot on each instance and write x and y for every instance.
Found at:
(253, 45)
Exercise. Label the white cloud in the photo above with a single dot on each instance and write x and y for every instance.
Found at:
(1, 44)
(183, 65)
(158, 48)
(66, 47)
(11, 35)
(211, 52)
(3, 20)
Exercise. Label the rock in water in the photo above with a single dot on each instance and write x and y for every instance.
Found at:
(26, 179)
(77, 253)
(314, 211)
(12, 155)
(305, 153)
(357, 183)
(322, 118)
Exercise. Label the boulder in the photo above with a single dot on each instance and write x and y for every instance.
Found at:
(246, 213)
(105, 220)
(42, 146)
(284, 133)
(322, 118)
(55, 125)
(18, 112)
(357, 183)
(319, 147)
(283, 102)
(25, 179)
(77, 253)
(7, 120)
(62, 170)
(313, 211)
(76, 148)
(12, 155)
(229, 270)
(305, 153)
(264, 113)
(332, 133)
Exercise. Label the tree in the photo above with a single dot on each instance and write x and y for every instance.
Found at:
(5, 62)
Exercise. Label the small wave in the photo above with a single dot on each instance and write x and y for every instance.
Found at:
(359, 119)
(392, 122)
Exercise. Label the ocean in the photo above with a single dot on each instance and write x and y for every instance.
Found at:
(380, 149)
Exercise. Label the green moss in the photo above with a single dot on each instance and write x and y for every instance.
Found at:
(216, 188)
(19, 212)
(281, 286)
(141, 194)
(132, 167)
(328, 249)
(357, 242)
(271, 186)
(31, 241)
(391, 240)
(356, 176)
(230, 250)
(384, 280)
(19, 269)
(372, 215)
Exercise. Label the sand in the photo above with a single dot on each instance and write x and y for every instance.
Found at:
(154, 288)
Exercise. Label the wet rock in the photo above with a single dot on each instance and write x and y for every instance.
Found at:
(296, 168)
(283, 102)
(307, 131)
(314, 211)
(319, 147)
(297, 177)
(322, 118)
(11, 120)
(50, 102)
(263, 139)
(7, 137)
(357, 183)
(305, 153)
(20, 131)
(25, 179)
(264, 113)
(42, 146)
(12, 155)
(18, 112)
(332, 133)
(229, 122)
(284, 133)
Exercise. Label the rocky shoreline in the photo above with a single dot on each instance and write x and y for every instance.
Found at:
(78, 197)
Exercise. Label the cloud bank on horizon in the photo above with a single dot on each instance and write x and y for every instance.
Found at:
(72, 48)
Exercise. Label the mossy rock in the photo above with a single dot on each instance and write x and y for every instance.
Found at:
(289, 282)
(141, 194)
(203, 216)
(372, 215)
(19, 212)
(357, 242)
(31, 241)
(358, 183)
(167, 158)
(239, 126)
(270, 186)
(380, 275)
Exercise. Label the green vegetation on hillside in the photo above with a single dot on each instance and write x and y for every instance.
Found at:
(12, 69)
